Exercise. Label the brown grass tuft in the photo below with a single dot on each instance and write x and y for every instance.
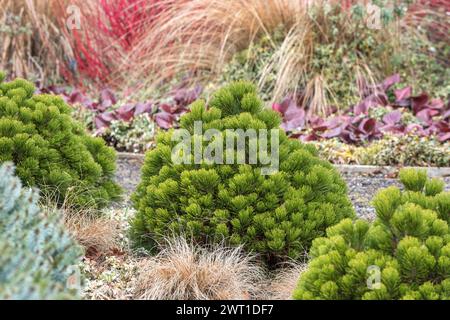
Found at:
(203, 35)
(98, 233)
(29, 39)
(183, 270)
(283, 283)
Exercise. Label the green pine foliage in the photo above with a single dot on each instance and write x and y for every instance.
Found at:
(275, 215)
(37, 255)
(404, 254)
(51, 150)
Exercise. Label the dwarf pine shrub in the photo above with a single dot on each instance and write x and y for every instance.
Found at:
(276, 215)
(37, 255)
(403, 254)
(50, 149)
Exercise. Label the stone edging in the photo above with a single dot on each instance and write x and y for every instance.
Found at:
(129, 155)
(359, 169)
(434, 172)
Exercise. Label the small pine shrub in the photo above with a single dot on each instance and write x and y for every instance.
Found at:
(36, 253)
(275, 215)
(52, 151)
(404, 254)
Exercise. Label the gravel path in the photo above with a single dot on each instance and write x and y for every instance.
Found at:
(128, 174)
(361, 187)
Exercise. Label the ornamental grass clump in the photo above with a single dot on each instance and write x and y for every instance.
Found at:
(185, 271)
(51, 150)
(276, 215)
(38, 256)
(404, 254)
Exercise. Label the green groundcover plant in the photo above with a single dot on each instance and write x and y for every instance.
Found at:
(276, 215)
(391, 150)
(51, 150)
(403, 254)
(37, 255)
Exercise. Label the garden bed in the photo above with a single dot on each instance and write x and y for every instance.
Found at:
(115, 276)
(367, 97)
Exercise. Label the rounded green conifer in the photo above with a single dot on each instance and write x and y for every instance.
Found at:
(51, 150)
(403, 254)
(276, 215)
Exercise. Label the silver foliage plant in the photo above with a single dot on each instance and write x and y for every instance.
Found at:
(38, 257)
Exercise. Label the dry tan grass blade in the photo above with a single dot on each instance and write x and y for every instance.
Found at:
(183, 270)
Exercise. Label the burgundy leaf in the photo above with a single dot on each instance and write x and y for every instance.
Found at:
(390, 81)
(126, 112)
(434, 112)
(107, 97)
(419, 102)
(141, 108)
(99, 123)
(292, 125)
(392, 117)
(310, 137)
(184, 97)
(372, 100)
(60, 90)
(332, 123)
(446, 115)
(284, 105)
(316, 121)
(164, 120)
(295, 113)
(336, 132)
(424, 115)
(403, 94)
(170, 108)
(444, 137)
(293, 116)
(361, 108)
(348, 137)
(414, 127)
(436, 104)
(106, 101)
(393, 128)
(356, 120)
(108, 116)
(402, 104)
(379, 98)
(368, 125)
(103, 120)
(337, 121)
(443, 126)
(296, 135)
(294, 119)
(319, 128)
(77, 97)
(277, 107)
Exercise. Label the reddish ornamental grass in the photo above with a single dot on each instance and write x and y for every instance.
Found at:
(109, 31)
